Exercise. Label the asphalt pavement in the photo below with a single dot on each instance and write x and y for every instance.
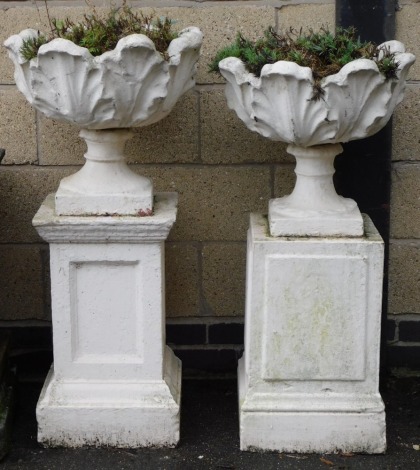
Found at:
(210, 437)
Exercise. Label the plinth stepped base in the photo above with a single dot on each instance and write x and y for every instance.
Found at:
(304, 423)
(118, 414)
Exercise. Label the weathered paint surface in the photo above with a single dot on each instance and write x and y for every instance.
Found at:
(113, 382)
(308, 381)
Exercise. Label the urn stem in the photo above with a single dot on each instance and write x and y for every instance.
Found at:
(105, 185)
(314, 188)
(314, 208)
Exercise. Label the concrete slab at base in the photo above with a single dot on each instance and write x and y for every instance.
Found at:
(313, 432)
(115, 414)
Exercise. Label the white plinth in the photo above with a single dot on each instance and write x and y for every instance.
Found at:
(113, 382)
(308, 381)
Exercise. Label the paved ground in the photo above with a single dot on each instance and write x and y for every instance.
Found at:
(210, 437)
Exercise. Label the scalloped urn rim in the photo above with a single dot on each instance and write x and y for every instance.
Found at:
(357, 102)
(130, 86)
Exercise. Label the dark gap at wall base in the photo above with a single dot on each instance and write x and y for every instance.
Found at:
(374, 19)
(363, 171)
(211, 349)
(403, 360)
(7, 395)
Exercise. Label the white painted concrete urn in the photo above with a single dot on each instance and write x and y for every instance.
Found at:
(130, 86)
(356, 103)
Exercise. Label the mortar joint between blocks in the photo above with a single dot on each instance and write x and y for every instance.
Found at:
(38, 138)
(199, 127)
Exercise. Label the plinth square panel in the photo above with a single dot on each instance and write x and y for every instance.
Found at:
(308, 328)
(108, 294)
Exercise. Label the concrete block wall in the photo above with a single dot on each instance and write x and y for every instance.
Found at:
(221, 171)
(404, 254)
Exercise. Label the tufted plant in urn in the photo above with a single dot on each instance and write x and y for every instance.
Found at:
(313, 91)
(105, 75)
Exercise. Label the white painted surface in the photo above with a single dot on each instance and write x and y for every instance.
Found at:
(101, 229)
(105, 185)
(314, 208)
(130, 86)
(114, 382)
(136, 413)
(308, 381)
(357, 101)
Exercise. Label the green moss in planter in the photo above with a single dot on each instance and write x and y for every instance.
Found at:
(324, 52)
(100, 35)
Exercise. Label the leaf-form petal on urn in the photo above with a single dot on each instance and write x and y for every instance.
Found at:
(405, 60)
(357, 96)
(183, 57)
(357, 101)
(14, 44)
(66, 83)
(240, 84)
(286, 93)
(129, 86)
(136, 78)
(279, 104)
